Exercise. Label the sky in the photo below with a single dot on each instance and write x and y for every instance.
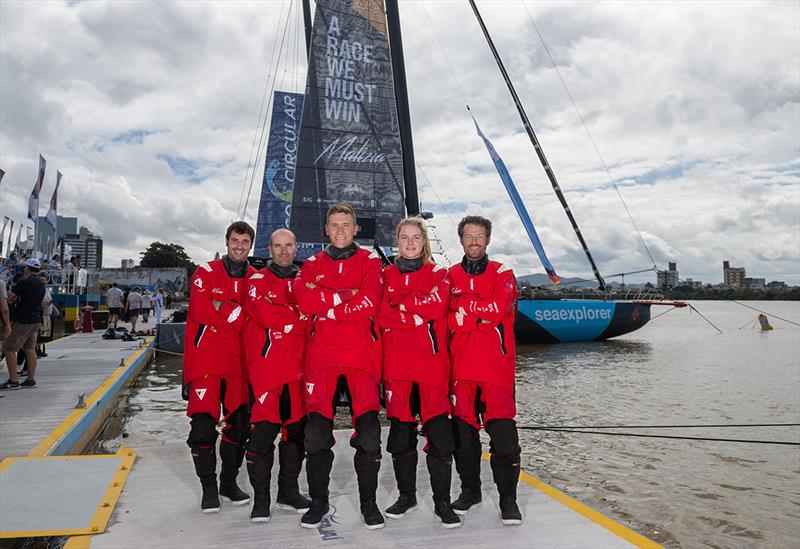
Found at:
(150, 110)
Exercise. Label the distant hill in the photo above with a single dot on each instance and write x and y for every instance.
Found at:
(540, 279)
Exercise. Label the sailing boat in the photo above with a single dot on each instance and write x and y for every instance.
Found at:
(354, 145)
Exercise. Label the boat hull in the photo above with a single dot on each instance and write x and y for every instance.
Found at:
(574, 320)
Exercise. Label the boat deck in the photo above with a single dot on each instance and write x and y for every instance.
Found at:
(160, 507)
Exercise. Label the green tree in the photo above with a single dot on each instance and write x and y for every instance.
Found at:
(159, 254)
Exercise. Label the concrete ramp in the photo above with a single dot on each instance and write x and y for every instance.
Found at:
(62, 495)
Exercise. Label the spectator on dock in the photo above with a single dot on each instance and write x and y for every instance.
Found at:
(55, 263)
(5, 318)
(214, 369)
(482, 350)
(134, 307)
(416, 370)
(274, 322)
(158, 303)
(70, 271)
(114, 301)
(147, 304)
(48, 311)
(340, 287)
(29, 294)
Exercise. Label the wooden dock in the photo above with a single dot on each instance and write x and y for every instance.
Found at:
(44, 420)
(160, 508)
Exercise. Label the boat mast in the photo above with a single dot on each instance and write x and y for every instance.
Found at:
(308, 25)
(529, 128)
(403, 116)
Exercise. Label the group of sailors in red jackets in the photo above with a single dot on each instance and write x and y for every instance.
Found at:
(277, 349)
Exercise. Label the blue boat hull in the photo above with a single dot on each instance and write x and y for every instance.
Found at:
(571, 320)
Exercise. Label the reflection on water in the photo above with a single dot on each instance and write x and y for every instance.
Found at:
(675, 370)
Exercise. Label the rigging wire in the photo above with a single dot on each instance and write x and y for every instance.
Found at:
(692, 307)
(677, 426)
(764, 312)
(673, 437)
(261, 140)
(589, 134)
(264, 100)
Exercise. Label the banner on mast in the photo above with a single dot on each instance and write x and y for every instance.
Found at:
(52, 213)
(10, 236)
(33, 200)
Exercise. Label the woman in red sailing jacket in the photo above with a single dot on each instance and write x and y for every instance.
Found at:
(340, 288)
(416, 369)
(483, 299)
(214, 368)
(275, 336)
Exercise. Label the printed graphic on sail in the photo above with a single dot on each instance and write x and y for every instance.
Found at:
(349, 139)
(279, 168)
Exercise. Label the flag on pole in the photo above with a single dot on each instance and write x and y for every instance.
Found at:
(52, 213)
(10, 236)
(3, 232)
(18, 244)
(33, 199)
(2, 173)
(520, 207)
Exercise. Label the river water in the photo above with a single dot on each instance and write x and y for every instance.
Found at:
(677, 370)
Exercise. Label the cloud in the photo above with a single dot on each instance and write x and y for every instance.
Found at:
(150, 109)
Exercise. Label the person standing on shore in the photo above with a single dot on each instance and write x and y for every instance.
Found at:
(416, 369)
(114, 302)
(214, 369)
(341, 287)
(274, 337)
(28, 294)
(147, 304)
(5, 318)
(133, 306)
(158, 304)
(482, 307)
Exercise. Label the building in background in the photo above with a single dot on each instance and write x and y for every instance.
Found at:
(127, 264)
(669, 278)
(732, 276)
(49, 237)
(86, 245)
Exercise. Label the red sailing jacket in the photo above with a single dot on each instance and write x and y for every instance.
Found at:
(483, 351)
(413, 322)
(274, 335)
(213, 340)
(343, 332)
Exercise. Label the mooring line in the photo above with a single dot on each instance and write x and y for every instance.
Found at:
(674, 437)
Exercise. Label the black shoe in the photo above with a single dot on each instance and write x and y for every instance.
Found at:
(297, 503)
(467, 499)
(371, 515)
(404, 504)
(509, 511)
(28, 383)
(316, 513)
(446, 514)
(260, 512)
(22, 372)
(9, 385)
(210, 501)
(231, 492)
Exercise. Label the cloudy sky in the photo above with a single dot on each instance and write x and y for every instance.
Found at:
(150, 110)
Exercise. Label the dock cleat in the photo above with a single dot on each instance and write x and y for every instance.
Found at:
(466, 500)
(318, 511)
(404, 504)
(509, 511)
(371, 515)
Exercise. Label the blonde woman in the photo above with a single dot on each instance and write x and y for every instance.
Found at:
(416, 369)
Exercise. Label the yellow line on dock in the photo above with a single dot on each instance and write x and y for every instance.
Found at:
(582, 509)
(55, 435)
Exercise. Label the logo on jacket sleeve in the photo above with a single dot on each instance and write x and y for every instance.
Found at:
(262, 397)
(198, 282)
(200, 393)
(310, 388)
(389, 396)
(453, 399)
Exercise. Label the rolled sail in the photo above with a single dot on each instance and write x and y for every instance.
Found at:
(349, 147)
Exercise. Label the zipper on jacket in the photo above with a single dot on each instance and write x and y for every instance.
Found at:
(267, 344)
(432, 335)
(501, 332)
(201, 330)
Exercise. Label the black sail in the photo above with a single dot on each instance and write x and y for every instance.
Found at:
(350, 149)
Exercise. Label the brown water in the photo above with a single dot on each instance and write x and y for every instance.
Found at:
(676, 370)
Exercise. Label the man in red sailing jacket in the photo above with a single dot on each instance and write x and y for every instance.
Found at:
(214, 368)
(482, 309)
(416, 369)
(274, 336)
(340, 288)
